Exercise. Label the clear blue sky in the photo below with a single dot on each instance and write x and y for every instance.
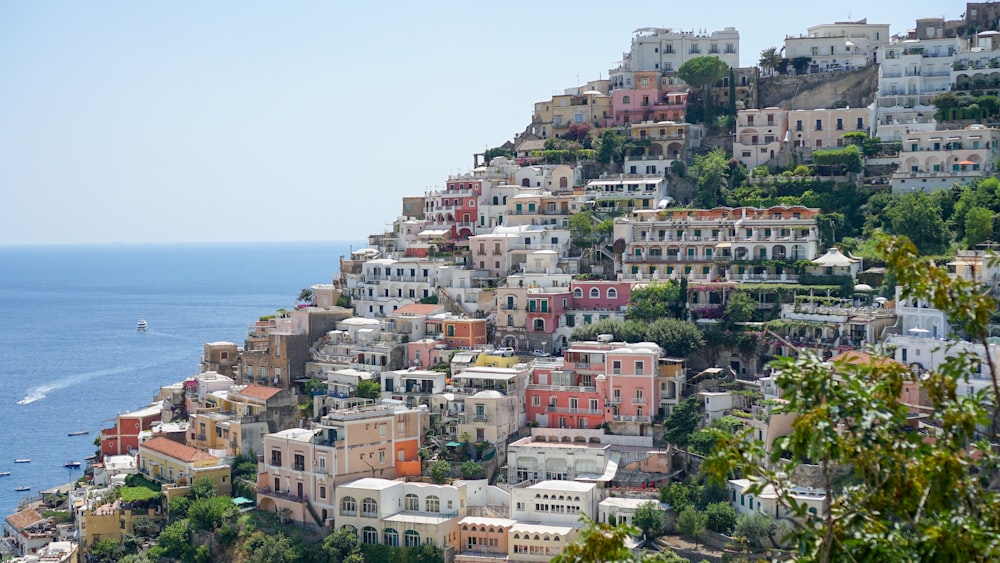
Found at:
(266, 121)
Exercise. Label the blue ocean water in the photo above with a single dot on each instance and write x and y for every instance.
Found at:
(71, 352)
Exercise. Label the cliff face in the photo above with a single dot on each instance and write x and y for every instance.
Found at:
(854, 88)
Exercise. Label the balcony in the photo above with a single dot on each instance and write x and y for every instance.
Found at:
(571, 388)
(571, 410)
(299, 467)
(631, 418)
(286, 495)
(479, 418)
(639, 401)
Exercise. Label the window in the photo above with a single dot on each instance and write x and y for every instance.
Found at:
(626, 99)
(433, 504)
(595, 293)
(640, 368)
(578, 293)
(348, 506)
(612, 293)
(411, 539)
(390, 537)
(411, 502)
(369, 507)
(369, 535)
(381, 456)
(536, 401)
(276, 458)
(616, 367)
(798, 125)
(322, 491)
(840, 124)
(819, 124)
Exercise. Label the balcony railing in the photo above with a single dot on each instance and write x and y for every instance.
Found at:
(287, 495)
(639, 401)
(299, 467)
(571, 410)
(631, 418)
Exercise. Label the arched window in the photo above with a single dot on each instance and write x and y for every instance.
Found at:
(563, 182)
(594, 293)
(411, 539)
(496, 200)
(351, 528)
(390, 537)
(433, 504)
(411, 502)
(369, 507)
(348, 506)
(612, 293)
(369, 535)
(539, 325)
(578, 293)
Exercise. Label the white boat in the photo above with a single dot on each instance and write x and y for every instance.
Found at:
(72, 464)
(22, 489)
(4, 473)
(22, 460)
(142, 325)
(79, 433)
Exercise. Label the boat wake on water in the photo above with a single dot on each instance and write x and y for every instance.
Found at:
(40, 392)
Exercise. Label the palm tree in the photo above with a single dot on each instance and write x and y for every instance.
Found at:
(305, 296)
(769, 59)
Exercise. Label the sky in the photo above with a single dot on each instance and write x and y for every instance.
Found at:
(225, 121)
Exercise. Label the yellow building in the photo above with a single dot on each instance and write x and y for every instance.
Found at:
(176, 466)
(113, 520)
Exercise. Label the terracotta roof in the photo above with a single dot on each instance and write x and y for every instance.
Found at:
(170, 448)
(262, 392)
(23, 519)
(419, 309)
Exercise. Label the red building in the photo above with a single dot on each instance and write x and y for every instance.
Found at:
(455, 207)
(124, 437)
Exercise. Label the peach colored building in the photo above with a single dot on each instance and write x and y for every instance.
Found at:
(177, 466)
(300, 468)
(482, 537)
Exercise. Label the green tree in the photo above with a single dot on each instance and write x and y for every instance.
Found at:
(677, 495)
(439, 471)
(683, 421)
(650, 519)
(679, 338)
(652, 302)
(598, 543)
(917, 216)
(471, 470)
(135, 558)
(104, 550)
(978, 226)
(210, 513)
(721, 517)
(739, 308)
(369, 389)
(769, 59)
(178, 507)
(609, 147)
(702, 442)
(712, 173)
(340, 544)
(911, 498)
(755, 527)
(144, 526)
(703, 72)
(272, 548)
(305, 296)
(691, 522)
(203, 487)
(581, 224)
(174, 542)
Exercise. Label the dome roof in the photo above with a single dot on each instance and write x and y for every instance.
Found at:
(490, 394)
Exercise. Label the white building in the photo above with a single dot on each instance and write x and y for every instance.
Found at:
(665, 50)
(838, 46)
(579, 458)
(396, 513)
(933, 160)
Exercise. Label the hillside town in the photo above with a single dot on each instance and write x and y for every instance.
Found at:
(566, 328)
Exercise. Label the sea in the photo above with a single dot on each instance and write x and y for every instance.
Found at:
(72, 357)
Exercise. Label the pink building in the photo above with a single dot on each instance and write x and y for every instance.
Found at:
(647, 104)
(597, 383)
(597, 295)
(426, 352)
(455, 207)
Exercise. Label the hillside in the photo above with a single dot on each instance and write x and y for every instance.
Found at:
(854, 88)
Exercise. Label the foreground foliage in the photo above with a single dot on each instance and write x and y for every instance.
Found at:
(914, 496)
